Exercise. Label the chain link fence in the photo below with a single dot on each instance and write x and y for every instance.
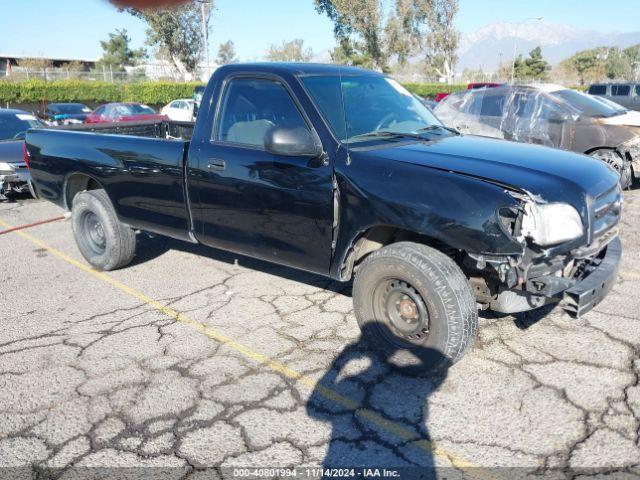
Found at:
(152, 72)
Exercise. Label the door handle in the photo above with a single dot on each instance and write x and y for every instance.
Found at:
(142, 171)
(216, 164)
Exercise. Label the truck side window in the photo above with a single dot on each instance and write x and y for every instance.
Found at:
(492, 104)
(250, 107)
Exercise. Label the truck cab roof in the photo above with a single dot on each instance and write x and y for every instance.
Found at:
(294, 68)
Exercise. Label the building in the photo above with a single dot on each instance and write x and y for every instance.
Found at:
(9, 62)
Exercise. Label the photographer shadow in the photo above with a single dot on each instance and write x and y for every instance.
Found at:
(378, 411)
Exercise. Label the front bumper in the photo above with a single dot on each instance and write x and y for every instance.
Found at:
(594, 287)
(576, 295)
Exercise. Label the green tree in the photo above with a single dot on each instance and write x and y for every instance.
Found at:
(533, 67)
(177, 32)
(583, 62)
(367, 36)
(443, 38)
(604, 62)
(633, 54)
(357, 28)
(117, 54)
(618, 66)
(292, 51)
(226, 53)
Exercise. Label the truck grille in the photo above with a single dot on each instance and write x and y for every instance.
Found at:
(607, 208)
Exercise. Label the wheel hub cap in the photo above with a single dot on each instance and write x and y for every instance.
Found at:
(94, 232)
(406, 310)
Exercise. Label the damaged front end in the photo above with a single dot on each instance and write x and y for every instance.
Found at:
(566, 258)
(14, 178)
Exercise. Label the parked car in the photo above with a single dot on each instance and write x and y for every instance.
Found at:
(472, 86)
(124, 112)
(198, 92)
(65, 113)
(180, 110)
(550, 115)
(342, 172)
(625, 94)
(14, 174)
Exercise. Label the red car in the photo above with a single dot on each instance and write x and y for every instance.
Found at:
(123, 112)
(472, 86)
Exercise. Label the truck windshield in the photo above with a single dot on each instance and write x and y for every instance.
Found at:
(358, 106)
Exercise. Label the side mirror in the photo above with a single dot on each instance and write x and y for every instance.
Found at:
(292, 142)
(20, 136)
(558, 116)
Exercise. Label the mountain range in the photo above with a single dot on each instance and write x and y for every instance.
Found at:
(486, 47)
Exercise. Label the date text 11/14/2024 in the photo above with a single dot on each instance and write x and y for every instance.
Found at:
(316, 472)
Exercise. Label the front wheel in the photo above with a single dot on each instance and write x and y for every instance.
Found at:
(618, 163)
(415, 305)
(103, 241)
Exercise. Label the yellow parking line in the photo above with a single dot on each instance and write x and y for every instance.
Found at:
(394, 428)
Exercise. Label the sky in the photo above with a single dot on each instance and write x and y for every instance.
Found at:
(74, 28)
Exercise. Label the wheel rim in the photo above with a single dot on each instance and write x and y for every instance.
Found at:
(93, 233)
(614, 160)
(403, 310)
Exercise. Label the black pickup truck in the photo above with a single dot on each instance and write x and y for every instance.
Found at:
(342, 172)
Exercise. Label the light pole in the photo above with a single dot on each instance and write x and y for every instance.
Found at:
(515, 45)
(205, 34)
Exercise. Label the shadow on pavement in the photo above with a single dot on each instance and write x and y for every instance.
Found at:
(366, 400)
(522, 320)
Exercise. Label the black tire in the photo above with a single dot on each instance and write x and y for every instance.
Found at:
(618, 163)
(437, 286)
(103, 241)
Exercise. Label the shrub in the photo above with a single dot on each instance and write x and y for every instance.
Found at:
(431, 89)
(33, 91)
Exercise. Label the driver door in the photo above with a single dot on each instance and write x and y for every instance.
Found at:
(537, 119)
(278, 208)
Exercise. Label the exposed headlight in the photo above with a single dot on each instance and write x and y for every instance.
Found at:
(6, 169)
(551, 223)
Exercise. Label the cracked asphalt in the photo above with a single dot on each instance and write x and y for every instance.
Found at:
(193, 360)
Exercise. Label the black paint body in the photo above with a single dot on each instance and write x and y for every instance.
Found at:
(307, 213)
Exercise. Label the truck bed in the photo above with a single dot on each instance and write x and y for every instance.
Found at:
(167, 129)
(141, 165)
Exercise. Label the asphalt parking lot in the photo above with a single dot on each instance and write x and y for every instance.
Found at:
(193, 359)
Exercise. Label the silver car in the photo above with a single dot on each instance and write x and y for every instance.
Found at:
(553, 116)
(625, 94)
(14, 174)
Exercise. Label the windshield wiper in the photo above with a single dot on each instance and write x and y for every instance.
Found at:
(439, 127)
(388, 134)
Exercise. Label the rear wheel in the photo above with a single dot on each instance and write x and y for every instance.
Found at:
(416, 306)
(103, 241)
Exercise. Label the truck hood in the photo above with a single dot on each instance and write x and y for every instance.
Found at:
(545, 173)
(628, 119)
